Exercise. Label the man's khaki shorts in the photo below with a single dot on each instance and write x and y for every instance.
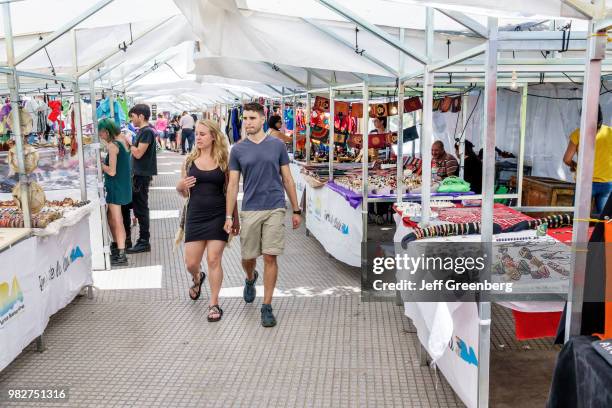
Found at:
(262, 232)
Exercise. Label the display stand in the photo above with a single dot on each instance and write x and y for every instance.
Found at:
(32, 289)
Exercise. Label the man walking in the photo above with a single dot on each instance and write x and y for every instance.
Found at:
(264, 164)
(144, 167)
(187, 134)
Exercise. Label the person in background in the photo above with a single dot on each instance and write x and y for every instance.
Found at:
(117, 184)
(442, 164)
(203, 182)
(472, 167)
(380, 125)
(171, 131)
(263, 163)
(602, 163)
(187, 135)
(275, 123)
(160, 126)
(144, 167)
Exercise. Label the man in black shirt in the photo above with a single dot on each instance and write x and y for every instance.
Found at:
(144, 167)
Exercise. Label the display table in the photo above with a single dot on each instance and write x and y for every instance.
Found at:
(449, 330)
(355, 199)
(12, 236)
(582, 378)
(40, 275)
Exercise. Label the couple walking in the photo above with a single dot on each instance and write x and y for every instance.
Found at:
(210, 182)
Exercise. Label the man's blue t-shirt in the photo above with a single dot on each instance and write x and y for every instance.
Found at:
(260, 167)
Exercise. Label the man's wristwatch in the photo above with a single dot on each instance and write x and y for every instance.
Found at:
(297, 212)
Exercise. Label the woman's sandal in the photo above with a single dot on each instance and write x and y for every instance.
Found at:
(214, 310)
(197, 286)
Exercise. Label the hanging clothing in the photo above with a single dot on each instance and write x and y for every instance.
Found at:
(288, 117)
(56, 110)
(103, 111)
(39, 111)
(123, 105)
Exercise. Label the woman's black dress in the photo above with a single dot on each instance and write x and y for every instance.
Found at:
(206, 208)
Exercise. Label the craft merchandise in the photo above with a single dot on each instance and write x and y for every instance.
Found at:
(445, 230)
(552, 221)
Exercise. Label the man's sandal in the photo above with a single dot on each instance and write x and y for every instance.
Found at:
(197, 286)
(212, 311)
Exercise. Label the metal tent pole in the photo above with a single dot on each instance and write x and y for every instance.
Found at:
(13, 85)
(308, 128)
(521, 161)
(79, 136)
(111, 104)
(588, 129)
(96, 146)
(282, 111)
(77, 118)
(427, 123)
(464, 102)
(400, 143)
(484, 308)
(332, 132)
(364, 169)
(295, 131)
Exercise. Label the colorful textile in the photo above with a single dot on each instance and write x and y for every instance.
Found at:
(502, 215)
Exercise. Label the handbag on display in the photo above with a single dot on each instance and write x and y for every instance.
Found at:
(357, 110)
(446, 104)
(412, 104)
(321, 104)
(392, 108)
(436, 104)
(378, 110)
(410, 134)
(355, 140)
(391, 138)
(456, 105)
(377, 140)
(341, 108)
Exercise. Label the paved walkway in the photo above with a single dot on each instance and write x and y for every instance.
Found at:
(141, 342)
(152, 346)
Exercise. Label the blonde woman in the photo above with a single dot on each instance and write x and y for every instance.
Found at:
(203, 182)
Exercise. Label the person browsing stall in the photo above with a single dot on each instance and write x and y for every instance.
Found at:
(144, 167)
(443, 164)
(602, 163)
(263, 163)
(275, 124)
(117, 184)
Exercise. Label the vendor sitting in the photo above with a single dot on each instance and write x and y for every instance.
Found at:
(275, 124)
(442, 164)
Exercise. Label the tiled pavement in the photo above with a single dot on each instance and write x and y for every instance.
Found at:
(153, 347)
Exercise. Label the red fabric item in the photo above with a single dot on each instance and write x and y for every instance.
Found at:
(56, 110)
(535, 325)
(502, 215)
(412, 104)
(564, 234)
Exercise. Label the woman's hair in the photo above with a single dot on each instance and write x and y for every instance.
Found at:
(274, 119)
(220, 146)
(110, 126)
(160, 115)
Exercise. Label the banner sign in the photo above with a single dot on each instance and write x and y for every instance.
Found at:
(335, 224)
(33, 288)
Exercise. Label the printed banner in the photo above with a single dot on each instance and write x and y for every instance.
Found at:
(335, 224)
(38, 277)
(449, 332)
